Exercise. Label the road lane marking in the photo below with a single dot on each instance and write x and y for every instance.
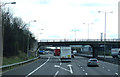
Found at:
(56, 73)
(116, 73)
(60, 63)
(70, 66)
(62, 68)
(83, 70)
(59, 60)
(86, 73)
(103, 67)
(65, 69)
(108, 69)
(37, 68)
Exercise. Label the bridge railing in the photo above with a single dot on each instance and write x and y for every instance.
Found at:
(69, 40)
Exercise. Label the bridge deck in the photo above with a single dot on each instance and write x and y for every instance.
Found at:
(95, 42)
(70, 40)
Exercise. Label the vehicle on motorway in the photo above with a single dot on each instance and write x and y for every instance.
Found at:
(48, 52)
(74, 52)
(41, 52)
(65, 54)
(72, 55)
(115, 52)
(92, 62)
(57, 52)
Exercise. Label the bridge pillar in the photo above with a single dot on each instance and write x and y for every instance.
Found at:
(95, 50)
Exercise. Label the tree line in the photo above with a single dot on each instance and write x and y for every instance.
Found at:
(15, 35)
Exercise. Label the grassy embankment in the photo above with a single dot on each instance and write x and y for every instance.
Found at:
(15, 59)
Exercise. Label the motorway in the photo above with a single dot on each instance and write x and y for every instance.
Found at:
(49, 65)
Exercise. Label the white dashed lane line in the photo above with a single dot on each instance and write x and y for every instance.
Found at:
(108, 69)
(83, 70)
(56, 73)
(60, 63)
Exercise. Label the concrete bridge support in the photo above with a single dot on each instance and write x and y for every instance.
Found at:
(95, 50)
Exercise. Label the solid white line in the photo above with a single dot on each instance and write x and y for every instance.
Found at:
(56, 73)
(86, 74)
(116, 73)
(65, 69)
(59, 60)
(61, 68)
(71, 69)
(38, 68)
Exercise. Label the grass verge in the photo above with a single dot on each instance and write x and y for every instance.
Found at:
(15, 59)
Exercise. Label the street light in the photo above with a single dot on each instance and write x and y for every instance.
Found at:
(7, 3)
(1, 33)
(88, 28)
(41, 32)
(104, 28)
(75, 33)
(105, 22)
(29, 37)
(13, 2)
(65, 37)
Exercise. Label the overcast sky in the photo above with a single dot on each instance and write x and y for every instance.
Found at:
(59, 17)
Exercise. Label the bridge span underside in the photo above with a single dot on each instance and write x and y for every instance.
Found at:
(94, 44)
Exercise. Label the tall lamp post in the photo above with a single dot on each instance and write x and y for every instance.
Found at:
(75, 30)
(29, 37)
(7, 3)
(40, 33)
(65, 37)
(1, 32)
(88, 28)
(105, 28)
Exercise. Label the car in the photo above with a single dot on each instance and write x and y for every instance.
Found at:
(72, 55)
(74, 52)
(41, 52)
(93, 62)
(50, 52)
(46, 52)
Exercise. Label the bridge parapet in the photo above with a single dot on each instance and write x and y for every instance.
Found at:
(69, 40)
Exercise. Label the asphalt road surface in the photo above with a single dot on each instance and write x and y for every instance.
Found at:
(49, 65)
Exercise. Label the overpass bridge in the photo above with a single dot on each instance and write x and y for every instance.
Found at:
(94, 43)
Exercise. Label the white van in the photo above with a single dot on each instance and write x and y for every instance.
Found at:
(65, 54)
(115, 52)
